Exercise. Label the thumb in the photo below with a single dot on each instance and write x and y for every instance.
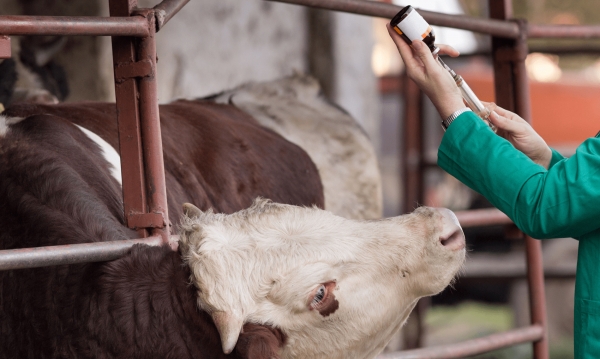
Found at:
(423, 52)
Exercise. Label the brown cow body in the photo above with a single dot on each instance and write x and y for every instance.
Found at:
(55, 189)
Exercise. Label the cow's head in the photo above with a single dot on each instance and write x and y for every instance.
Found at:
(335, 288)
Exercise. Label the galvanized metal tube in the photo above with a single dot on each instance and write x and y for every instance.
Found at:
(164, 11)
(473, 346)
(156, 189)
(73, 25)
(379, 9)
(69, 254)
(482, 217)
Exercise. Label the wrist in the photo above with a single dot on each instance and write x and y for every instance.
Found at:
(453, 116)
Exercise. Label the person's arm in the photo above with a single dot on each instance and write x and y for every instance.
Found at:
(559, 202)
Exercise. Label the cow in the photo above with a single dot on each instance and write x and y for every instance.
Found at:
(251, 278)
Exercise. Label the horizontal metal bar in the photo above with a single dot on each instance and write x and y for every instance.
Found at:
(564, 31)
(69, 254)
(510, 266)
(471, 347)
(166, 10)
(482, 217)
(74, 25)
(379, 9)
(498, 28)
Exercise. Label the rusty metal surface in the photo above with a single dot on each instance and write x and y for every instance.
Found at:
(379, 9)
(156, 189)
(563, 31)
(164, 11)
(129, 70)
(492, 27)
(510, 56)
(482, 217)
(69, 254)
(537, 294)
(411, 159)
(145, 220)
(473, 346)
(128, 118)
(5, 52)
(73, 25)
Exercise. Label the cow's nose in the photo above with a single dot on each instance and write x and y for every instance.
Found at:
(452, 236)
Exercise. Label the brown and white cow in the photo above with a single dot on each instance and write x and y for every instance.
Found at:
(269, 280)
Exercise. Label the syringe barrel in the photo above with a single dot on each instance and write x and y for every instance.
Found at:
(472, 100)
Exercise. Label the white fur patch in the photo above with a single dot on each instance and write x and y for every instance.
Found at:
(109, 153)
(5, 122)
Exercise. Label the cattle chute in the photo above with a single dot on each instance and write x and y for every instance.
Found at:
(136, 92)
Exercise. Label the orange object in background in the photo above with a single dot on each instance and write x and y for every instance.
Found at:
(564, 113)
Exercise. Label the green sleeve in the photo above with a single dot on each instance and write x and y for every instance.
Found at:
(559, 202)
(555, 158)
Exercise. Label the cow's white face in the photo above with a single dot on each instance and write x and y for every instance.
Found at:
(337, 288)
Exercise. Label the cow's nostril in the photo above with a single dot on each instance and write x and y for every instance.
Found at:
(454, 240)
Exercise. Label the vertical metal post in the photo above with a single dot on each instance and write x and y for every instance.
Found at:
(411, 165)
(412, 142)
(128, 117)
(151, 134)
(512, 93)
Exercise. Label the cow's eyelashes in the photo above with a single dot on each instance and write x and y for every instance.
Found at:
(318, 298)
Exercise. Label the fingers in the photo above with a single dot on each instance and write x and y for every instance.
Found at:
(423, 53)
(505, 123)
(405, 51)
(448, 50)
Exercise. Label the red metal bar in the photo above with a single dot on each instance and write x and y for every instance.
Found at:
(485, 26)
(5, 51)
(166, 10)
(380, 9)
(411, 159)
(69, 254)
(130, 138)
(563, 31)
(73, 25)
(537, 294)
(482, 217)
(156, 189)
(512, 89)
(472, 347)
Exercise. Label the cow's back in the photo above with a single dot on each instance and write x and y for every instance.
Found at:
(216, 156)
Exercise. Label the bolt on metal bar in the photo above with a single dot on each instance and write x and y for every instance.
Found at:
(166, 10)
(70, 254)
(74, 25)
(473, 346)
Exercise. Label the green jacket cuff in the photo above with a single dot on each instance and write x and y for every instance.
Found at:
(556, 157)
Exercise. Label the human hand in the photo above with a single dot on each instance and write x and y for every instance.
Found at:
(520, 133)
(429, 75)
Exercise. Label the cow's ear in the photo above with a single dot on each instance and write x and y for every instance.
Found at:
(229, 326)
(260, 342)
(191, 211)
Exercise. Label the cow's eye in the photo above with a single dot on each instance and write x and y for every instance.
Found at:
(319, 296)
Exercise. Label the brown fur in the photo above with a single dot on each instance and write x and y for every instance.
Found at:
(55, 189)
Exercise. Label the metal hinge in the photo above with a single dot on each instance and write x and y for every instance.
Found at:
(128, 70)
